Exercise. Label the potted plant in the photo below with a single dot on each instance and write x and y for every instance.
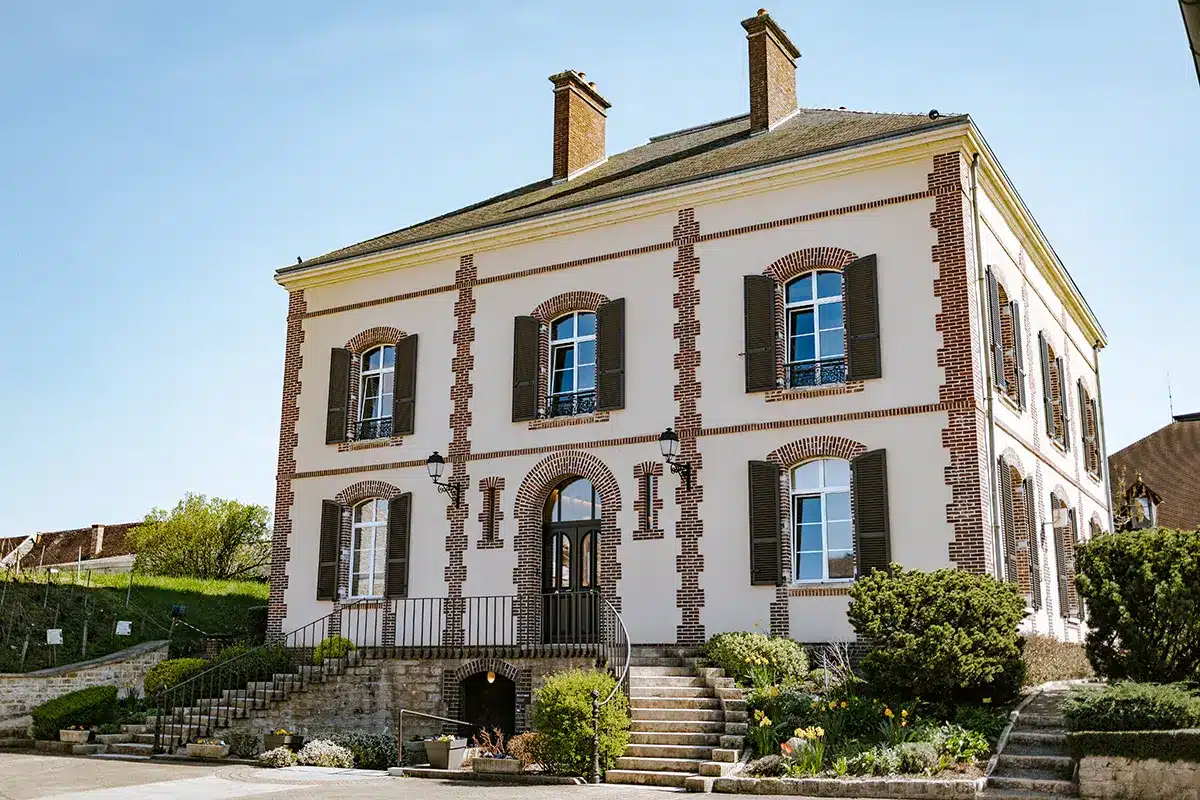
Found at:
(445, 752)
(282, 737)
(493, 755)
(207, 747)
(76, 734)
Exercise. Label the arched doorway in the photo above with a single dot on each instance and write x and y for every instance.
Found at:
(490, 704)
(570, 563)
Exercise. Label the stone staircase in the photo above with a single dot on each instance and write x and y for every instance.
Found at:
(14, 734)
(688, 722)
(1034, 762)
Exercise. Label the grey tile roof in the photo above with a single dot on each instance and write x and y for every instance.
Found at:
(687, 155)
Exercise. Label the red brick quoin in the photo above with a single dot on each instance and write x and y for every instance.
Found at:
(787, 457)
(286, 467)
(460, 445)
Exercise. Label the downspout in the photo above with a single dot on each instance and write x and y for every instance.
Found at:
(977, 222)
(1103, 435)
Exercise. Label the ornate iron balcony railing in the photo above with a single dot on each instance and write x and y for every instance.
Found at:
(569, 405)
(815, 373)
(368, 429)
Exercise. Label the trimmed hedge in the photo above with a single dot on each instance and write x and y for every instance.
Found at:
(562, 716)
(1048, 659)
(736, 652)
(1132, 707)
(171, 672)
(94, 705)
(1182, 745)
(332, 647)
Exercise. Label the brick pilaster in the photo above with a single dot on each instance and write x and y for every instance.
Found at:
(460, 445)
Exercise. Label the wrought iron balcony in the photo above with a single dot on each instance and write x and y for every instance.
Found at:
(368, 429)
(569, 405)
(815, 373)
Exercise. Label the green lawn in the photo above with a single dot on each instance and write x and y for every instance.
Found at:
(32, 604)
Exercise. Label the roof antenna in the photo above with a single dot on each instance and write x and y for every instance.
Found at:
(1170, 400)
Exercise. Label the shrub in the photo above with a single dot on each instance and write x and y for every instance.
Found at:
(946, 635)
(525, 747)
(324, 753)
(243, 744)
(562, 715)
(961, 744)
(1048, 659)
(332, 647)
(172, 672)
(370, 750)
(255, 664)
(981, 720)
(279, 757)
(94, 705)
(917, 757)
(1132, 707)
(1143, 597)
(878, 761)
(778, 659)
(1136, 745)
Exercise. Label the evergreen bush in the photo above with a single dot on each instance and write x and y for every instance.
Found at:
(173, 671)
(1132, 707)
(562, 716)
(740, 653)
(332, 647)
(94, 705)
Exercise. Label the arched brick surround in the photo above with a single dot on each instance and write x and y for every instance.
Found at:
(530, 502)
(373, 337)
(452, 686)
(1013, 460)
(787, 457)
(364, 490)
(349, 497)
(801, 261)
(357, 345)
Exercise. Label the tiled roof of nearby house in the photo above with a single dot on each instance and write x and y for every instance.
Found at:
(681, 157)
(1168, 461)
(64, 547)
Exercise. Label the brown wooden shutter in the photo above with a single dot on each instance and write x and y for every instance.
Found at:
(997, 335)
(1014, 311)
(1060, 561)
(339, 395)
(863, 357)
(1072, 596)
(760, 345)
(525, 369)
(1085, 435)
(404, 387)
(610, 355)
(1047, 398)
(766, 541)
(1034, 539)
(1062, 402)
(1094, 428)
(872, 529)
(398, 534)
(327, 550)
(1008, 520)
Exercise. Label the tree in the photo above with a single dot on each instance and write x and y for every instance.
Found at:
(202, 538)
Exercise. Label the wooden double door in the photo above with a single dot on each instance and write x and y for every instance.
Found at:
(570, 564)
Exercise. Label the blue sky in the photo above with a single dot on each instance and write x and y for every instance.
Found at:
(159, 160)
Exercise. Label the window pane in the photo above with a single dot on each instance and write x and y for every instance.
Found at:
(585, 352)
(830, 316)
(360, 563)
(564, 357)
(365, 512)
(587, 324)
(389, 356)
(840, 535)
(806, 477)
(810, 566)
(833, 343)
(385, 406)
(585, 559)
(837, 505)
(804, 348)
(563, 328)
(371, 360)
(841, 564)
(800, 290)
(829, 284)
(810, 509)
(587, 377)
(360, 585)
(837, 472)
(577, 501)
(370, 408)
(389, 380)
(564, 382)
(810, 538)
(802, 322)
(381, 512)
(371, 386)
(564, 562)
(553, 503)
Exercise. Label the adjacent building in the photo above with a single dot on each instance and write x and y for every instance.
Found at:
(862, 344)
(1155, 479)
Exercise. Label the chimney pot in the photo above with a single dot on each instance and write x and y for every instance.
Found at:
(579, 116)
(772, 72)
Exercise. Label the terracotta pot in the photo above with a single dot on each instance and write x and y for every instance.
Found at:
(195, 750)
(75, 737)
(293, 742)
(507, 766)
(446, 755)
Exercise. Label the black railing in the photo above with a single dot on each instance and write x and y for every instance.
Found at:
(368, 429)
(569, 405)
(816, 373)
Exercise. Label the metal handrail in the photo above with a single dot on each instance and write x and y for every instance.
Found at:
(596, 704)
(400, 727)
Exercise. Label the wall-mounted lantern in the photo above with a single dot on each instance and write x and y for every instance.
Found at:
(436, 464)
(668, 442)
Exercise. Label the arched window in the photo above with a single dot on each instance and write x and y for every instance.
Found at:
(823, 534)
(816, 343)
(572, 365)
(376, 385)
(573, 501)
(368, 548)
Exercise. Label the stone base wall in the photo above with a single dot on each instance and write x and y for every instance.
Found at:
(368, 697)
(1117, 778)
(126, 669)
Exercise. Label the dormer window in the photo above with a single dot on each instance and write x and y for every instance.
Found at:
(1146, 513)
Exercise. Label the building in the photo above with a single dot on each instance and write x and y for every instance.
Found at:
(863, 342)
(1191, 23)
(1157, 474)
(98, 548)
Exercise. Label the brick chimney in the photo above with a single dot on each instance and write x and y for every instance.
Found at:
(579, 114)
(772, 72)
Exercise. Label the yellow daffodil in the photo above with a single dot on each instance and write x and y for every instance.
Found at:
(820, 732)
(765, 722)
(887, 712)
(843, 704)
(904, 712)
(987, 699)
(903, 722)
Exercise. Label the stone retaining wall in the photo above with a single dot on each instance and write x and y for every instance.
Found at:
(932, 788)
(1117, 778)
(21, 691)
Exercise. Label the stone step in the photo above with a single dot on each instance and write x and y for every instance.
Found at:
(131, 749)
(257, 695)
(676, 726)
(675, 691)
(665, 738)
(1027, 721)
(1016, 794)
(1033, 738)
(143, 738)
(16, 743)
(121, 757)
(655, 661)
(643, 672)
(642, 701)
(137, 729)
(88, 749)
(692, 714)
(255, 686)
(112, 738)
(1021, 764)
(1050, 786)
(646, 778)
(638, 681)
(48, 746)
(697, 752)
(691, 766)
(1022, 748)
